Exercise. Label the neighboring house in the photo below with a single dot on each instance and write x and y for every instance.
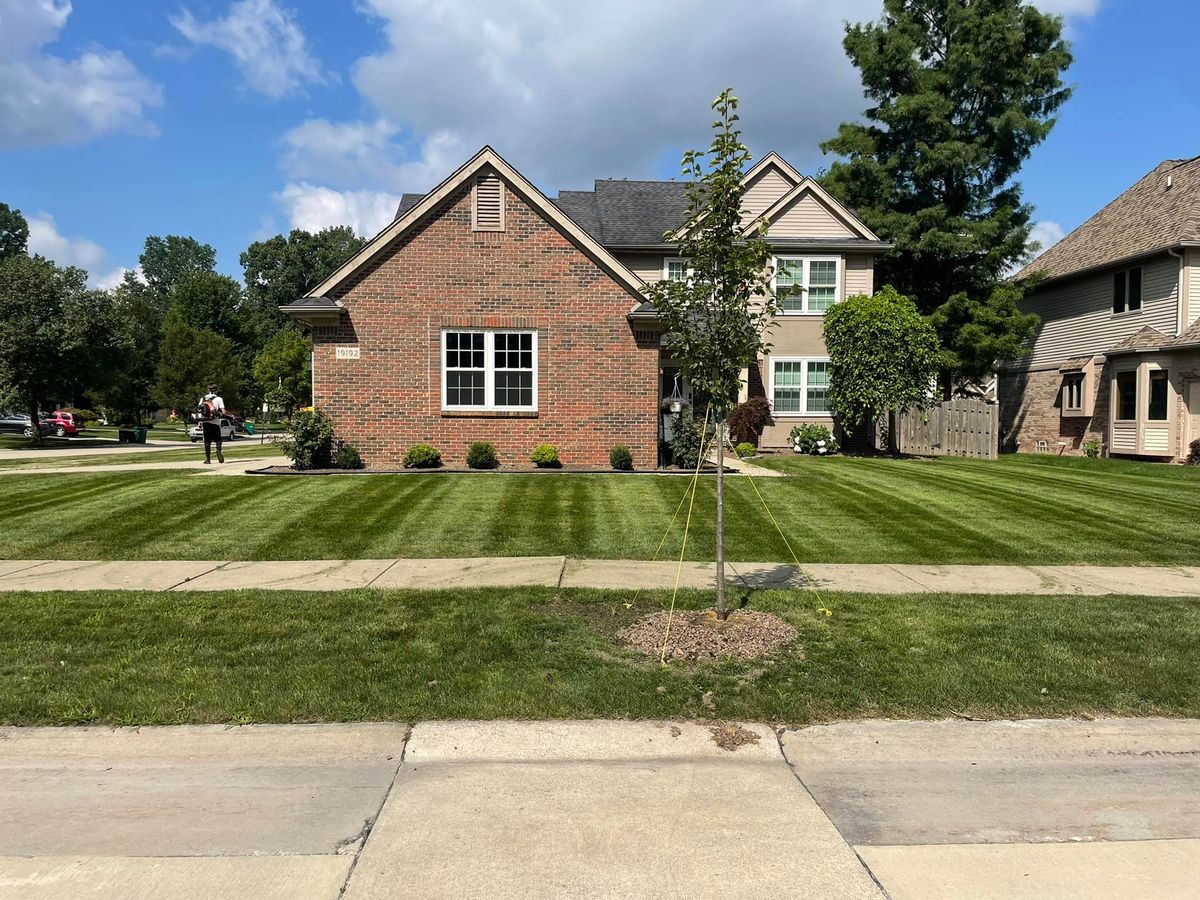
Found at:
(1116, 356)
(487, 311)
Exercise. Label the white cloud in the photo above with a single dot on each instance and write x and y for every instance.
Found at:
(47, 99)
(1069, 8)
(265, 42)
(46, 240)
(313, 207)
(1045, 234)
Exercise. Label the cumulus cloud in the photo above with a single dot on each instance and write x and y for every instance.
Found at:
(313, 207)
(1045, 235)
(1080, 8)
(48, 99)
(46, 240)
(264, 40)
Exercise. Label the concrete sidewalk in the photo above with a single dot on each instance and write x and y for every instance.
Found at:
(560, 571)
(921, 810)
(229, 467)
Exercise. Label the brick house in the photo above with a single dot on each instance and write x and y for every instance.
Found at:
(1116, 356)
(488, 311)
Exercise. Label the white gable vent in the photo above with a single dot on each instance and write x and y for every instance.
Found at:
(487, 213)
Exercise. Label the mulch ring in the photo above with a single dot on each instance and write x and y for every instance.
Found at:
(699, 634)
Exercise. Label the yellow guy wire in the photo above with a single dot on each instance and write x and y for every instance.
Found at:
(662, 657)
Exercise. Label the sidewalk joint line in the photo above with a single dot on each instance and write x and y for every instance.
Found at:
(922, 585)
(562, 571)
(386, 569)
(219, 565)
(370, 824)
(792, 768)
(28, 568)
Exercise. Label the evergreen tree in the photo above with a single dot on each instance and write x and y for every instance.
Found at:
(961, 93)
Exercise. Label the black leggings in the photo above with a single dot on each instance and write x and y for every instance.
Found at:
(212, 434)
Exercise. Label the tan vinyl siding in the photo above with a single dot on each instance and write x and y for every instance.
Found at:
(808, 217)
(646, 266)
(769, 186)
(1077, 317)
(859, 274)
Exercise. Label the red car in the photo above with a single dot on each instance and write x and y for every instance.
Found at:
(63, 424)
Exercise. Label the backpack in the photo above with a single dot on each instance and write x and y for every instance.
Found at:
(206, 409)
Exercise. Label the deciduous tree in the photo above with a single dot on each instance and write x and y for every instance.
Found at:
(14, 232)
(166, 260)
(192, 358)
(961, 92)
(284, 363)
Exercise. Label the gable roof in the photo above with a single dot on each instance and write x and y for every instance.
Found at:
(490, 159)
(621, 213)
(1145, 338)
(1148, 217)
(407, 202)
(853, 222)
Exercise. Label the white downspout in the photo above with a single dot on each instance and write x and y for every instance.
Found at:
(1180, 298)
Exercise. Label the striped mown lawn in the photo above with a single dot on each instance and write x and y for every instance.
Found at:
(1014, 511)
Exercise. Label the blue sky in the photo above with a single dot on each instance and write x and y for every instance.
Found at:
(232, 120)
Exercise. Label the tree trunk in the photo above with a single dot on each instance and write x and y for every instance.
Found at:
(722, 612)
(34, 424)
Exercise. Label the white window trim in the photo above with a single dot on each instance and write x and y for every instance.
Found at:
(1141, 300)
(489, 369)
(666, 271)
(839, 275)
(804, 413)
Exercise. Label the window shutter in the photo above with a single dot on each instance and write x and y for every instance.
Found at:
(488, 214)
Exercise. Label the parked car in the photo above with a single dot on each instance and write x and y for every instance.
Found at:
(19, 423)
(63, 424)
(228, 430)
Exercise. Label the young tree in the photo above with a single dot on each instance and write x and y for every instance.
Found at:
(14, 232)
(49, 322)
(167, 260)
(715, 320)
(281, 269)
(961, 92)
(192, 358)
(883, 355)
(281, 369)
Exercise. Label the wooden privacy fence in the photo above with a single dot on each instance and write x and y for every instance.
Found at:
(964, 427)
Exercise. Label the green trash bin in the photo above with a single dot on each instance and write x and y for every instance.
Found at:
(139, 435)
(249, 426)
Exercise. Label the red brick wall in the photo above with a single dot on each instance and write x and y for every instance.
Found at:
(1030, 411)
(597, 383)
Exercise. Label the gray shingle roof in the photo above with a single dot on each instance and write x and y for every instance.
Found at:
(627, 213)
(1148, 216)
(313, 303)
(1190, 336)
(1145, 338)
(407, 202)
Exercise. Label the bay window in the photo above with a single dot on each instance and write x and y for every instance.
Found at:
(489, 370)
(807, 284)
(800, 387)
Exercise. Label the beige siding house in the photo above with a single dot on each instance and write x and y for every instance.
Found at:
(1115, 359)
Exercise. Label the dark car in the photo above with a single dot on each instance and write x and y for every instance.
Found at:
(63, 424)
(19, 423)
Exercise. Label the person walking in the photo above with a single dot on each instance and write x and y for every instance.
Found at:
(209, 411)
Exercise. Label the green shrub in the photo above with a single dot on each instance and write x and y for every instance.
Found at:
(745, 448)
(309, 444)
(620, 458)
(422, 456)
(1091, 448)
(813, 439)
(1193, 457)
(748, 420)
(545, 457)
(86, 414)
(687, 439)
(481, 455)
(347, 457)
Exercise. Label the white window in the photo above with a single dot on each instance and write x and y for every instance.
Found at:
(800, 387)
(674, 269)
(808, 284)
(489, 370)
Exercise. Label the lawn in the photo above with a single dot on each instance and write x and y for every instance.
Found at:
(122, 658)
(233, 451)
(1015, 511)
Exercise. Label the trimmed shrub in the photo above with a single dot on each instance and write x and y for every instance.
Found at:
(813, 439)
(347, 457)
(482, 455)
(620, 458)
(309, 443)
(545, 457)
(687, 440)
(747, 421)
(1091, 448)
(1193, 457)
(422, 456)
(745, 448)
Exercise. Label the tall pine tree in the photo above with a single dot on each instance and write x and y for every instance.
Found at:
(962, 91)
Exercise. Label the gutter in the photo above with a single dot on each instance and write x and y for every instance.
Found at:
(1110, 264)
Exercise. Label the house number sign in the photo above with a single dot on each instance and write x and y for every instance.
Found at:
(347, 353)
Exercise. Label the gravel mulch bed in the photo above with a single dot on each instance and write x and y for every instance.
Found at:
(699, 634)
